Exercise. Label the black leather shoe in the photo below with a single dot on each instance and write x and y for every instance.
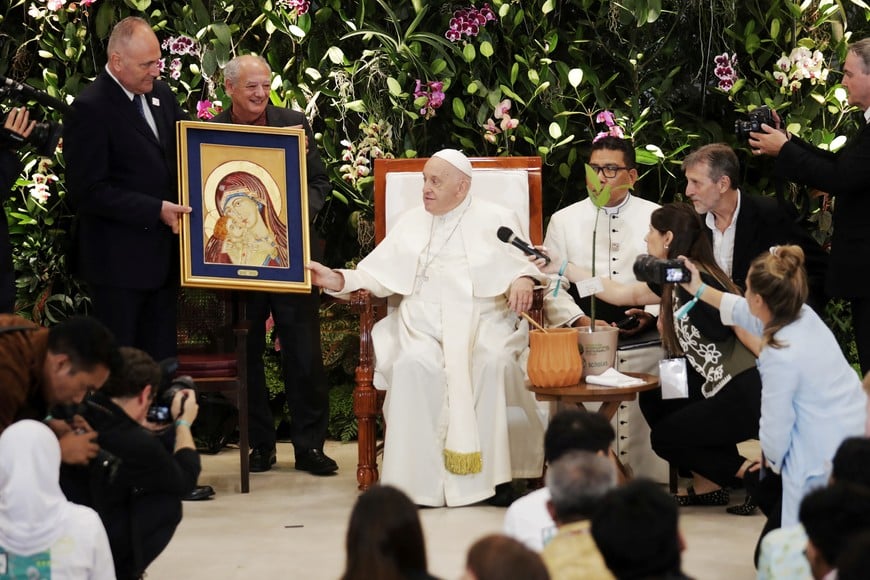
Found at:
(200, 493)
(262, 459)
(504, 495)
(315, 462)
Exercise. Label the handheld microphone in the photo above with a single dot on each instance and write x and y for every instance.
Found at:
(506, 235)
(31, 93)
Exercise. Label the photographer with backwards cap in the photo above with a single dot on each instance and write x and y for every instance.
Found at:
(136, 487)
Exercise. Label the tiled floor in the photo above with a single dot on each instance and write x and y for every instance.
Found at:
(292, 525)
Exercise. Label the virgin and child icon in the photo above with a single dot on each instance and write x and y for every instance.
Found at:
(243, 222)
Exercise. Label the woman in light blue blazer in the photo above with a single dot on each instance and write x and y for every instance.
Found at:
(811, 399)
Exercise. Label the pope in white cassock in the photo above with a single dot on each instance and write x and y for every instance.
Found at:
(459, 418)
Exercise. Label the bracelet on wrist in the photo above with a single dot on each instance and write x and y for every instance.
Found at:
(684, 310)
(182, 423)
(561, 274)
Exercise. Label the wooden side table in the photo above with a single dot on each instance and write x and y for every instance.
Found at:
(609, 397)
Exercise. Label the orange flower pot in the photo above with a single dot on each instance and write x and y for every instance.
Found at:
(554, 358)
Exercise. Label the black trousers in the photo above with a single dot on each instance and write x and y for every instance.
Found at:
(701, 435)
(297, 321)
(861, 326)
(139, 535)
(767, 493)
(145, 319)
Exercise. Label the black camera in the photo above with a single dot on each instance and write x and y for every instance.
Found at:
(45, 134)
(104, 466)
(160, 411)
(757, 117)
(658, 271)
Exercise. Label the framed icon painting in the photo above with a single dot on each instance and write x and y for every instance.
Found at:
(248, 228)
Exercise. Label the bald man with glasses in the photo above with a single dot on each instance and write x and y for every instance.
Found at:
(622, 227)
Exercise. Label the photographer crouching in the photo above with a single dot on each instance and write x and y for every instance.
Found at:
(137, 481)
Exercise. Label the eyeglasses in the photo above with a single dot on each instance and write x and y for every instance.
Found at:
(609, 171)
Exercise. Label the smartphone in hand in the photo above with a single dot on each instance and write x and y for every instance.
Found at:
(628, 322)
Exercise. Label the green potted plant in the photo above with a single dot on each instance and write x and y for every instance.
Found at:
(597, 344)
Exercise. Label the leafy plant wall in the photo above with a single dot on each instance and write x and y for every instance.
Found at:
(404, 78)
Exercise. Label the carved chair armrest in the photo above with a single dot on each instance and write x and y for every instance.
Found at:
(537, 309)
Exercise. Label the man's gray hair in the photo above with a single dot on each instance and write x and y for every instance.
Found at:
(577, 481)
(861, 49)
(123, 31)
(231, 69)
(720, 159)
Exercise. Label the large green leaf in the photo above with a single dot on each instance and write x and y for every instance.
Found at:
(394, 86)
(459, 108)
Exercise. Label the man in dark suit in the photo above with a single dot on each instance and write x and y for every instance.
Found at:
(248, 81)
(743, 226)
(17, 126)
(845, 175)
(119, 144)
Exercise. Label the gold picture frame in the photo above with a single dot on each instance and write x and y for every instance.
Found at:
(247, 187)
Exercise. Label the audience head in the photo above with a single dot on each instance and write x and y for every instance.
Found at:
(684, 230)
(31, 501)
(854, 560)
(248, 82)
(614, 159)
(134, 55)
(577, 481)
(636, 530)
(831, 516)
(851, 462)
(778, 280)
(856, 74)
(577, 430)
(384, 537)
(712, 177)
(81, 355)
(446, 181)
(135, 383)
(498, 557)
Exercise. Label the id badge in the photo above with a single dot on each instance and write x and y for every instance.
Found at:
(674, 379)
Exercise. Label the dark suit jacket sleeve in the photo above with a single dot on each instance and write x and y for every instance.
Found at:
(844, 172)
(93, 144)
(148, 466)
(10, 168)
(318, 180)
(88, 173)
(763, 223)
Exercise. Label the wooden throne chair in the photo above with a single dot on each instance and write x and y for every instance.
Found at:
(212, 333)
(511, 181)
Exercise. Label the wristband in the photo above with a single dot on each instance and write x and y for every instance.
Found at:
(684, 311)
(559, 282)
(182, 423)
